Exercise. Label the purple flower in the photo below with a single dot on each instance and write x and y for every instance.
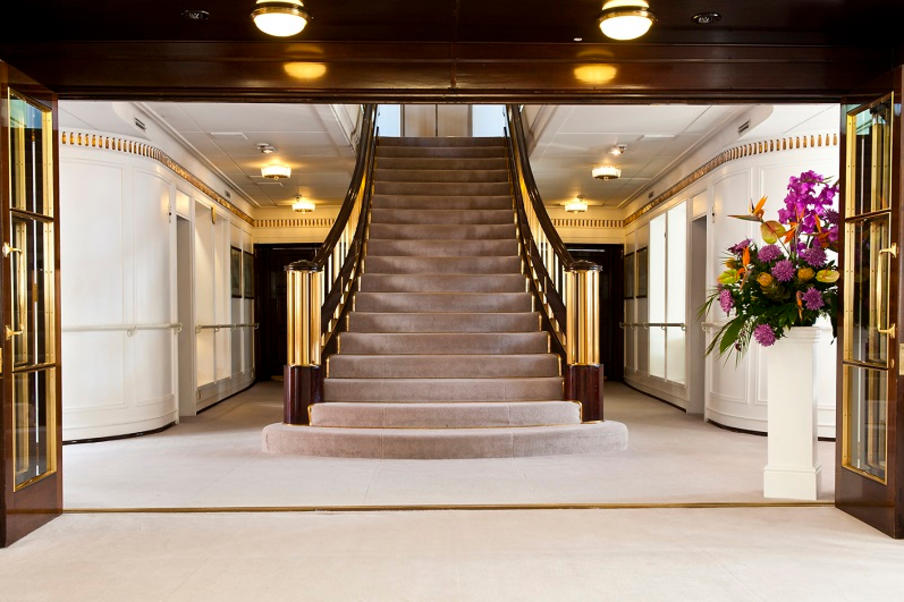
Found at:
(815, 256)
(726, 300)
(784, 271)
(812, 299)
(738, 249)
(769, 253)
(764, 335)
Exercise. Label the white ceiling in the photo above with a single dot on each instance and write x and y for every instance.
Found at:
(308, 138)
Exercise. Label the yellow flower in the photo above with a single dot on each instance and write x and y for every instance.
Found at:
(805, 274)
(828, 276)
(732, 264)
(771, 231)
(728, 277)
(765, 279)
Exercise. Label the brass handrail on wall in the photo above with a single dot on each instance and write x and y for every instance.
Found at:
(565, 290)
(129, 329)
(216, 327)
(319, 290)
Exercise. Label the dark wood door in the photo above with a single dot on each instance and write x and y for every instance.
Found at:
(32, 461)
(270, 303)
(870, 420)
(612, 306)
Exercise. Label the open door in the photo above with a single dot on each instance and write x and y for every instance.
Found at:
(31, 465)
(870, 421)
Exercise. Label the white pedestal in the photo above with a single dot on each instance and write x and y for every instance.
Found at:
(792, 470)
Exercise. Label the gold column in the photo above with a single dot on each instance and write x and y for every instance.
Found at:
(303, 314)
(582, 302)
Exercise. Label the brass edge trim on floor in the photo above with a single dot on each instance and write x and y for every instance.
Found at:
(446, 507)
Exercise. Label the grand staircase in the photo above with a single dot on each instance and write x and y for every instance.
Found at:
(443, 355)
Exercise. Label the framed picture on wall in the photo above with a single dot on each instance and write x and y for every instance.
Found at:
(629, 275)
(248, 265)
(235, 271)
(642, 272)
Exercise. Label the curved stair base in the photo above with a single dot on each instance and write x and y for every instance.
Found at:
(445, 443)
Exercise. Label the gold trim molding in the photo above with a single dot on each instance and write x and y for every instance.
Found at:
(296, 222)
(587, 223)
(732, 154)
(122, 144)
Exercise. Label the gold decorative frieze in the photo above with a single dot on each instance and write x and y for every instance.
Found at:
(732, 154)
(295, 222)
(592, 224)
(134, 147)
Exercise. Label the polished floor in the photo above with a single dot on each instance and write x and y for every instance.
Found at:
(215, 460)
(724, 555)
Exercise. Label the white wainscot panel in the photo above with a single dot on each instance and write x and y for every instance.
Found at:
(91, 236)
(151, 369)
(205, 357)
(152, 248)
(94, 370)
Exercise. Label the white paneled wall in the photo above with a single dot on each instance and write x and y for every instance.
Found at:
(734, 392)
(120, 294)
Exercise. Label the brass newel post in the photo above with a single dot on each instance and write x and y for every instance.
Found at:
(584, 374)
(303, 382)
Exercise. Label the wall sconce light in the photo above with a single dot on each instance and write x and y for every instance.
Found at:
(302, 205)
(606, 172)
(276, 171)
(280, 18)
(626, 19)
(577, 205)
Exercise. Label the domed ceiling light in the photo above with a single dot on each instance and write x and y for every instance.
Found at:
(577, 205)
(302, 205)
(280, 18)
(606, 172)
(626, 19)
(276, 171)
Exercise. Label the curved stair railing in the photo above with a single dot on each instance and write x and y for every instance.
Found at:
(319, 291)
(565, 290)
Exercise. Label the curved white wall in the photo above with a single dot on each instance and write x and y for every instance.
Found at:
(734, 393)
(119, 268)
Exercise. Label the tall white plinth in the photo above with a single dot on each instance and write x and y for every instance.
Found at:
(792, 470)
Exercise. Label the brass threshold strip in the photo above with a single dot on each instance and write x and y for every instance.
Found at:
(443, 507)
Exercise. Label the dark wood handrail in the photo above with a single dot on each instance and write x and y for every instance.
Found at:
(366, 140)
(516, 130)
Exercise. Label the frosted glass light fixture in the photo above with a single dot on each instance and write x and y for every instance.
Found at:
(606, 172)
(302, 205)
(276, 171)
(626, 19)
(280, 18)
(576, 205)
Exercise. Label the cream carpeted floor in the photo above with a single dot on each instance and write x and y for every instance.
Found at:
(736, 555)
(214, 460)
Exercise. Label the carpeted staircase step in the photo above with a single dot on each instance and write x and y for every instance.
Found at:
(442, 302)
(441, 175)
(443, 231)
(345, 365)
(449, 188)
(442, 283)
(442, 216)
(445, 415)
(432, 201)
(441, 248)
(502, 442)
(450, 389)
(424, 264)
(434, 141)
(363, 343)
(445, 152)
(450, 322)
(434, 163)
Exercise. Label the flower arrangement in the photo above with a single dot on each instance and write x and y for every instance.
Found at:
(789, 280)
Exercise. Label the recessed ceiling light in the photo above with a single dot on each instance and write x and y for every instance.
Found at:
(280, 18)
(195, 14)
(606, 172)
(578, 39)
(576, 205)
(276, 171)
(266, 148)
(706, 18)
(626, 19)
(618, 149)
